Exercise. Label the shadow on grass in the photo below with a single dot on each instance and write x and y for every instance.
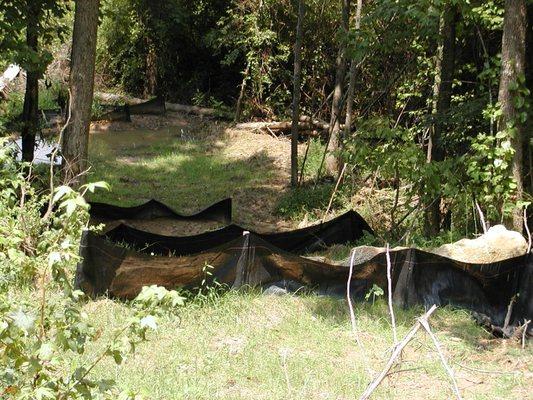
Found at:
(186, 175)
(448, 321)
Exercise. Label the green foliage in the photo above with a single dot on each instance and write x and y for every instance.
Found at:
(39, 239)
(46, 17)
(10, 111)
(313, 160)
(490, 164)
(209, 292)
(374, 292)
(307, 200)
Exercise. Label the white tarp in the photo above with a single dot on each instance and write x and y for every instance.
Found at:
(42, 152)
(9, 74)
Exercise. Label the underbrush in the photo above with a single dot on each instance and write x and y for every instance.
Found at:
(41, 318)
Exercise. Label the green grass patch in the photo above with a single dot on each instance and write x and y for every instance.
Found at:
(313, 159)
(246, 345)
(185, 174)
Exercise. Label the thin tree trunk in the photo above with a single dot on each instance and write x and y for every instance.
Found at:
(152, 19)
(513, 65)
(76, 138)
(30, 111)
(442, 95)
(238, 107)
(151, 87)
(296, 94)
(353, 75)
(528, 137)
(332, 164)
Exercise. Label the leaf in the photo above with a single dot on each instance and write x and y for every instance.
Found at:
(91, 187)
(46, 351)
(149, 322)
(44, 393)
(53, 258)
(60, 192)
(22, 320)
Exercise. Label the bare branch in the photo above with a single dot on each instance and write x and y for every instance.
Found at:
(53, 157)
(334, 192)
(349, 298)
(425, 324)
(482, 218)
(527, 230)
(396, 353)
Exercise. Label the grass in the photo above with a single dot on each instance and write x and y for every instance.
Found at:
(246, 345)
(185, 174)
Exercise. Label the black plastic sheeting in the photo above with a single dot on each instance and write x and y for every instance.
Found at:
(418, 277)
(346, 228)
(153, 209)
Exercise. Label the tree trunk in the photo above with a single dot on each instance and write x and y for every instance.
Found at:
(30, 111)
(353, 75)
(76, 138)
(528, 137)
(151, 87)
(513, 66)
(238, 107)
(296, 94)
(332, 164)
(442, 95)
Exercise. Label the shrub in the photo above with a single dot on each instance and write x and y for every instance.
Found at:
(39, 236)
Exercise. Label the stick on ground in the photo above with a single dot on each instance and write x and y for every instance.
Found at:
(425, 324)
(349, 298)
(397, 351)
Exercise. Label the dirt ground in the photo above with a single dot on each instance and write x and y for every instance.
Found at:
(265, 156)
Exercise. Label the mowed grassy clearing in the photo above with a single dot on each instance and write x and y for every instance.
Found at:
(245, 345)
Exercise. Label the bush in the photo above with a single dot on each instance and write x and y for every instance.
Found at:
(39, 236)
(309, 200)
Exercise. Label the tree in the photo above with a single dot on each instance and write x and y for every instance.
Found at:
(511, 80)
(297, 78)
(528, 139)
(75, 141)
(353, 74)
(30, 112)
(442, 96)
(332, 165)
(28, 27)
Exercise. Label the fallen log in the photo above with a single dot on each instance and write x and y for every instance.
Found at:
(201, 111)
(155, 107)
(117, 98)
(314, 121)
(208, 112)
(284, 126)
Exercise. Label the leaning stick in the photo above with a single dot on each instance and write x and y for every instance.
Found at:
(334, 192)
(389, 282)
(482, 218)
(397, 351)
(527, 230)
(349, 298)
(509, 313)
(524, 333)
(425, 324)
